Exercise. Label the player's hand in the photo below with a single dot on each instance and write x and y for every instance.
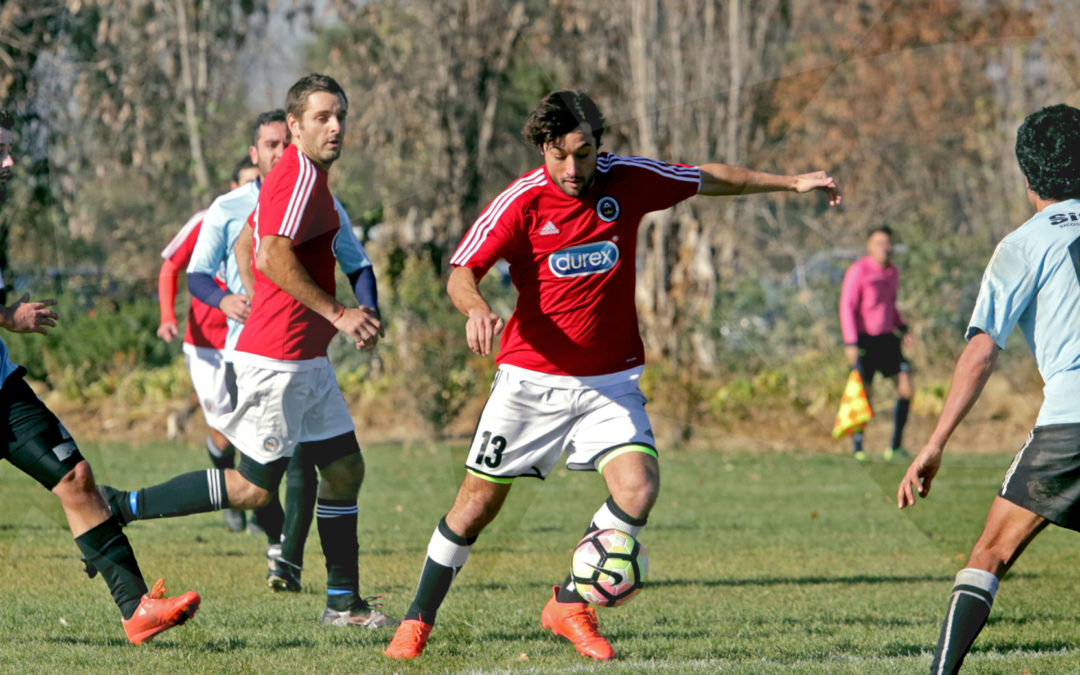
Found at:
(235, 306)
(819, 180)
(168, 331)
(852, 354)
(908, 340)
(919, 475)
(481, 329)
(30, 317)
(362, 325)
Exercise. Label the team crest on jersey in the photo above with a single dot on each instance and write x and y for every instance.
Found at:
(271, 443)
(608, 209)
(577, 261)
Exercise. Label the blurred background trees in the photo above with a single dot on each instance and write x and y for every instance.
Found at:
(133, 111)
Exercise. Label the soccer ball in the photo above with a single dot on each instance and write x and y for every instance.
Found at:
(608, 567)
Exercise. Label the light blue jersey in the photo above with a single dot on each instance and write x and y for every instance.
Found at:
(1033, 280)
(221, 227)
(6, 366)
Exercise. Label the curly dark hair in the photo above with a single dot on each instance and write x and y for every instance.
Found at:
(558, 114)
(1048, 150)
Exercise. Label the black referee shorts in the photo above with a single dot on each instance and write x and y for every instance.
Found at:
(880, 354)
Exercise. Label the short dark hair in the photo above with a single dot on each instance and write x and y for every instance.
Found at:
(296, 99)
(1048, 151)
(884, 229)
(559, 113)
(268, 117)
(7, 120)
(244, 163)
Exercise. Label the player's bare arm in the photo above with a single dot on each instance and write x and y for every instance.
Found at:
(29, 317)
(277, 260)
(242, 251)
(483, 325)
(973, 369)
(168, 328)
(722, 180)
(235, 306)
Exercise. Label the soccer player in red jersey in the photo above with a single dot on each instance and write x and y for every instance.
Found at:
(287, 393)
(571, 354)
(204, 337)
(38, 444)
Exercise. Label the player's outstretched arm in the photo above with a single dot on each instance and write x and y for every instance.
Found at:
(29, 317)
(168, 326)
(277, 260)
(719, 180)
(483, 325)
(973, 369)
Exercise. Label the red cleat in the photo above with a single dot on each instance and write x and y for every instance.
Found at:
(409, 640)
(576, 622)
(157, 614)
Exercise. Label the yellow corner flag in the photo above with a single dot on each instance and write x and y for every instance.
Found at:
(855, 410)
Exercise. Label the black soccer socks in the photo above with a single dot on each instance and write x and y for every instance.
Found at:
(301, 488)
(195, 492)
(446, 554)
(106, 548)
(969, 606)
(337, 529)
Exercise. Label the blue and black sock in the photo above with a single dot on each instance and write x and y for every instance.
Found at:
(195, 492)
(337, 520)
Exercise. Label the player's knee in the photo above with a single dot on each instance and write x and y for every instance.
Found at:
(77, 483)
(344, 476)
(243, 494)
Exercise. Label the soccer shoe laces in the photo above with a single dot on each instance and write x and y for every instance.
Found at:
(369, 602)
(583, 621)
(158, 591)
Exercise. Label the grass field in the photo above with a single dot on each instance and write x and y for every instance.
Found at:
(760, 563)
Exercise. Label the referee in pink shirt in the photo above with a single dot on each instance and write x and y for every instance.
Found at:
(872, 328)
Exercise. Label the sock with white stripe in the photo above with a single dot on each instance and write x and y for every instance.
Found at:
(195, 492)
(609, 517)
(337, 530)
(446, 554)
(969, 606)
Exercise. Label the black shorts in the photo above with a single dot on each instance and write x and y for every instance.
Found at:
(33, 438)
(880, 354)
(320, 453)
(1044, 477)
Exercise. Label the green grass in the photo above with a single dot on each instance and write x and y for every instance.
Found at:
(773, 563)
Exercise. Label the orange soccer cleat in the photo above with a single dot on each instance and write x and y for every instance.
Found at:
(156, 613)
(409, 640)
(576, 622)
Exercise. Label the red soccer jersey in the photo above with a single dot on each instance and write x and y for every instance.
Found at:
(572, 262)
(294, 202)
(206, 326)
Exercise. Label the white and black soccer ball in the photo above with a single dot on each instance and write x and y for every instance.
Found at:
(608, 567)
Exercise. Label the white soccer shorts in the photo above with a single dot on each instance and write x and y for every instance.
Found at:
(277, 409)
(206, 366)
(531, 419)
